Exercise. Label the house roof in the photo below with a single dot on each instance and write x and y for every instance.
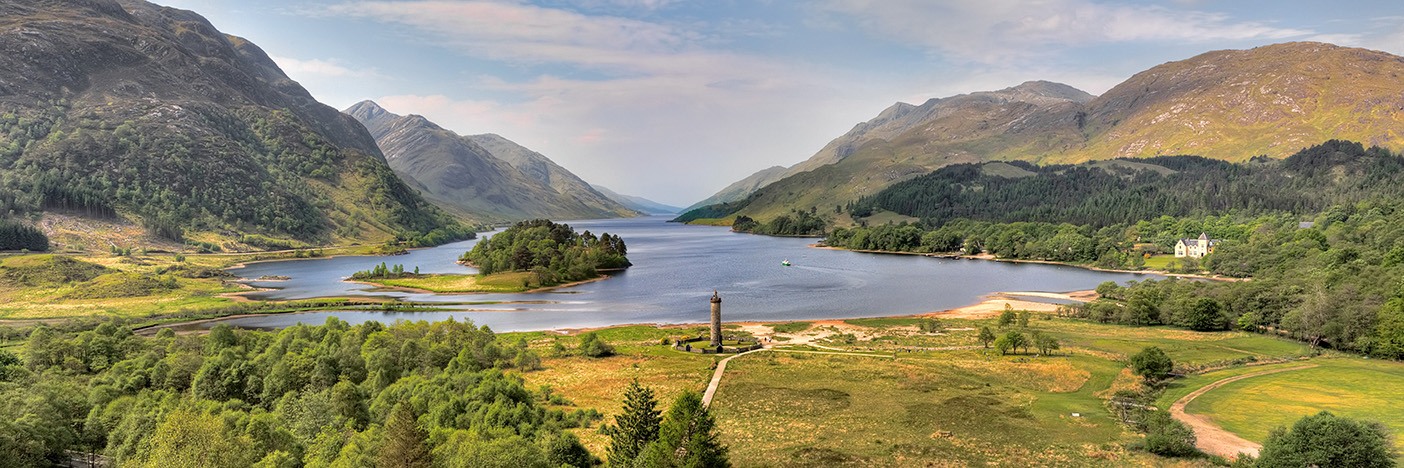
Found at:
(1202, 238)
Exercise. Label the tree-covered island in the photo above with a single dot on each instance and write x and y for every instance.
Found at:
(529, 255)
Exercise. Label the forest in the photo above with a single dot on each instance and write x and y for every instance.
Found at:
(1125, 191)
(332, 395)
(1320, 233)
(554, 252)
(794, 223)
(1338, 283)
(20, 236)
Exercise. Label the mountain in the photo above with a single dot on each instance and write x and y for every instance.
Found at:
(742, 188)
(472, 180)
(906, 140)
(639, 204)
(546, 171)
(1230, 105)
(130, 112)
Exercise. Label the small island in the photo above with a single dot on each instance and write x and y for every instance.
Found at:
(529, 256)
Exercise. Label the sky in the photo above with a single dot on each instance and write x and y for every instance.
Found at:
(673, 99)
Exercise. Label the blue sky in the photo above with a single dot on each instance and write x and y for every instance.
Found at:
(674, 99)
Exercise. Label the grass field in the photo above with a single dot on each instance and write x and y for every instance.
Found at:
(1347, 386)
(598, 383)
(944, 409)
(888, 217)
(961, 407)
(130, 286)
(1184, 346)
(1159, 262)
(789, 327)
(496, 283)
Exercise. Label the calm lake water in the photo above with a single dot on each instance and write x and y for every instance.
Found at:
(676, 268)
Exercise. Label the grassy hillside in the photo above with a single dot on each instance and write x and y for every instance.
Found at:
(133, 111)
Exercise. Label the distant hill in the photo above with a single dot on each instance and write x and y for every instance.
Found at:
(129, 112)
(1126, 191)
(743, 188)
(639, 204)
(1229, 105)
(472, 180)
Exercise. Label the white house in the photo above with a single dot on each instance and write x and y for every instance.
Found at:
(1196, 248)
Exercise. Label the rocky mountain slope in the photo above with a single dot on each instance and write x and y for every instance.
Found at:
(472, 180)
(544, 170)
(131, 111)
(639, 204)
(1231, 105)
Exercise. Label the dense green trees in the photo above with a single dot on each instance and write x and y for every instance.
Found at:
(19, 236)
(685, 437)
(1167, 437)
(1152, 364)
(1126, 191)
(332, 395)
(794, 223)
(592, 346)
(635, 427)
(554, 253)
(383, 272)
(1328, 441)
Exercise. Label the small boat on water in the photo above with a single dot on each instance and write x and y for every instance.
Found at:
(785, 262)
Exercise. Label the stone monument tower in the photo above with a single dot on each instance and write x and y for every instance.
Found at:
(716, 320)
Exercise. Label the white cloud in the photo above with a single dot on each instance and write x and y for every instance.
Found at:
(318, 68)
(1010, 30)
(528, 33)
(664, 97)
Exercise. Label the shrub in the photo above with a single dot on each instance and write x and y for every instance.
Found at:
(1152, 364)
(1328, 441)
(591, 345)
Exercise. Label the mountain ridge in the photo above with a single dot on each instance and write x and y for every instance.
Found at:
(130, 110)
(636, 203)
(467, 178)
(1231, 105)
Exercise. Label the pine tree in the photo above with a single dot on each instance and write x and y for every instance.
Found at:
(635, 428)
(688, 438)
(404, 445)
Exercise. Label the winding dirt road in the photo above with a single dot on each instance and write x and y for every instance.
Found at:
(1211, 438)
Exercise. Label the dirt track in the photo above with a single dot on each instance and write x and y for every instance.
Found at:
(1211, 438)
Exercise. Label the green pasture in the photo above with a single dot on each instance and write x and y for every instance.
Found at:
(1347, 386)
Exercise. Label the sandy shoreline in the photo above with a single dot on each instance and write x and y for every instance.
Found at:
(468, 293)
(990, 305)
(989, 257)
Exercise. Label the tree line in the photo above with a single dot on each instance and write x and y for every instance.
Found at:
(553, 252)
(1124, 191)
(15, 235)
(794, 223)
(409, 394)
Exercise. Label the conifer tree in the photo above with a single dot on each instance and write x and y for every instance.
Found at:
(687, 438)
(635, 428)
(404, 445)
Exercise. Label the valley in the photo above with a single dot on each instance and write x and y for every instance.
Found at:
(1190, 255)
